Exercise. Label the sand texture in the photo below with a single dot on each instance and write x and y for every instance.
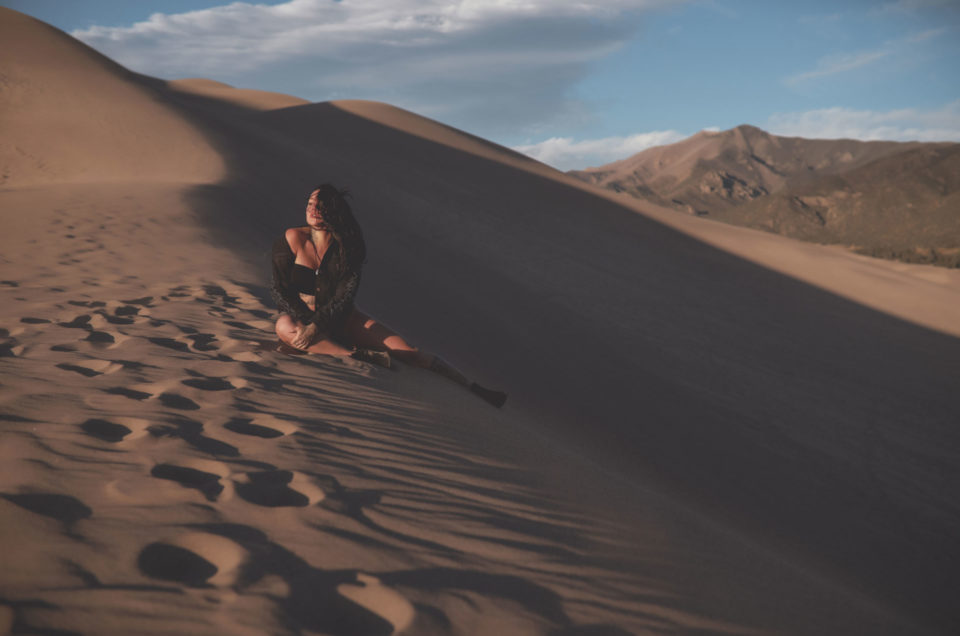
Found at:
(711, 430)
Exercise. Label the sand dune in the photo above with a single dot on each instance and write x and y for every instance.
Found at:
(70, 114)
(710, 430)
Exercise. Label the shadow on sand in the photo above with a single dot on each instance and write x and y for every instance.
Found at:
(815, 424)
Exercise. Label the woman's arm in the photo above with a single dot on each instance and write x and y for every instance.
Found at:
(287, 299)
(332, 312)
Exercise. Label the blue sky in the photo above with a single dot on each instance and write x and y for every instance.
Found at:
(571, 82)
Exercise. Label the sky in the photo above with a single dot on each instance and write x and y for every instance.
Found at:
(573, 83)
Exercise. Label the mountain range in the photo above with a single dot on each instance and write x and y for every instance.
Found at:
(881, 198)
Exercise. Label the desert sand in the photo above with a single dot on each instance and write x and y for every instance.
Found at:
(711, 430)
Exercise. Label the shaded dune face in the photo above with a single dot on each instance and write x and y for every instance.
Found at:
(794, 417)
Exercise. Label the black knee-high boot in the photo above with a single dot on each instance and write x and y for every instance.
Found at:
(496, 398)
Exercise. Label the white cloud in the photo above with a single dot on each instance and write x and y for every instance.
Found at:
(844, 62)
(509, 60)
(926, 35)
(834, 64)
(564, 153)
(912, 6)
(908, 124)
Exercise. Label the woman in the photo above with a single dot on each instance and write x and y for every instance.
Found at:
(316, 274)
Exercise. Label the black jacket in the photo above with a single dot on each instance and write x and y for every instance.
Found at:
(336, 287)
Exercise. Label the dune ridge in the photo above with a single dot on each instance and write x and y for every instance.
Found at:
(680, 453)
(72, 115)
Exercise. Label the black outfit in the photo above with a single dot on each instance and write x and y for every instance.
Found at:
(334, 285)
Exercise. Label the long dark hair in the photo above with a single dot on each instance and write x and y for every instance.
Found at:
(344, 227)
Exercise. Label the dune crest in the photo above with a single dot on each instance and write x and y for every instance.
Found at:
(245, 97)
(69, 114)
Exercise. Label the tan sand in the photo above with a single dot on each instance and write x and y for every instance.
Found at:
(710, 430)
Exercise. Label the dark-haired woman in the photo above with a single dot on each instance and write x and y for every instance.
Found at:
(316, 275)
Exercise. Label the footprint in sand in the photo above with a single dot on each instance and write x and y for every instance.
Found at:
(10, 347)
(210, 383)
(177, 401)
(118, 429)
(145, 301)
(127, 393)
(369, 593)
(115, 320)
(126, 310)
(114, 399)
(118, 313)
(100, 338)
(191, 432)
(202, 475)
(64, 508)
(79, 322)
(203, 341)
(162, 391)
(98, 331)
(278, 488)
(91, 368)
(194, 559)
(265, 426)
(170, 343)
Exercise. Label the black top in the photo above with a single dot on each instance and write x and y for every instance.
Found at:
(334, 287)
(304, 279)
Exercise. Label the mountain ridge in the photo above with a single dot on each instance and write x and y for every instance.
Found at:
(841, 191)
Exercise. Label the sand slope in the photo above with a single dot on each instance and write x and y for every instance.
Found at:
(70, 114)
(697, 441)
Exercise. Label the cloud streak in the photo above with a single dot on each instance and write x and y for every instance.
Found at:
(460, 59)
(845, 62)
(908, 124)
(564, 153)
(834, 64)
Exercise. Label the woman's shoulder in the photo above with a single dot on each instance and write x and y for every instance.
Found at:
(295, 237)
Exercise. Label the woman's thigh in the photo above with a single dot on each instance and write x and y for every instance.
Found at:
(365, 332)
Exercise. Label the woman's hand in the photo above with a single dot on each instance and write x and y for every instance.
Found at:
(305, 336)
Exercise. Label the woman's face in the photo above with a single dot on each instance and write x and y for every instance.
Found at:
(315, 218)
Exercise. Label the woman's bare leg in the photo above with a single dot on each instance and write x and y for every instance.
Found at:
(367, 332)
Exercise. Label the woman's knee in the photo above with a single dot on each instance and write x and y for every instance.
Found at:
(393, 342)
(286, 328)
